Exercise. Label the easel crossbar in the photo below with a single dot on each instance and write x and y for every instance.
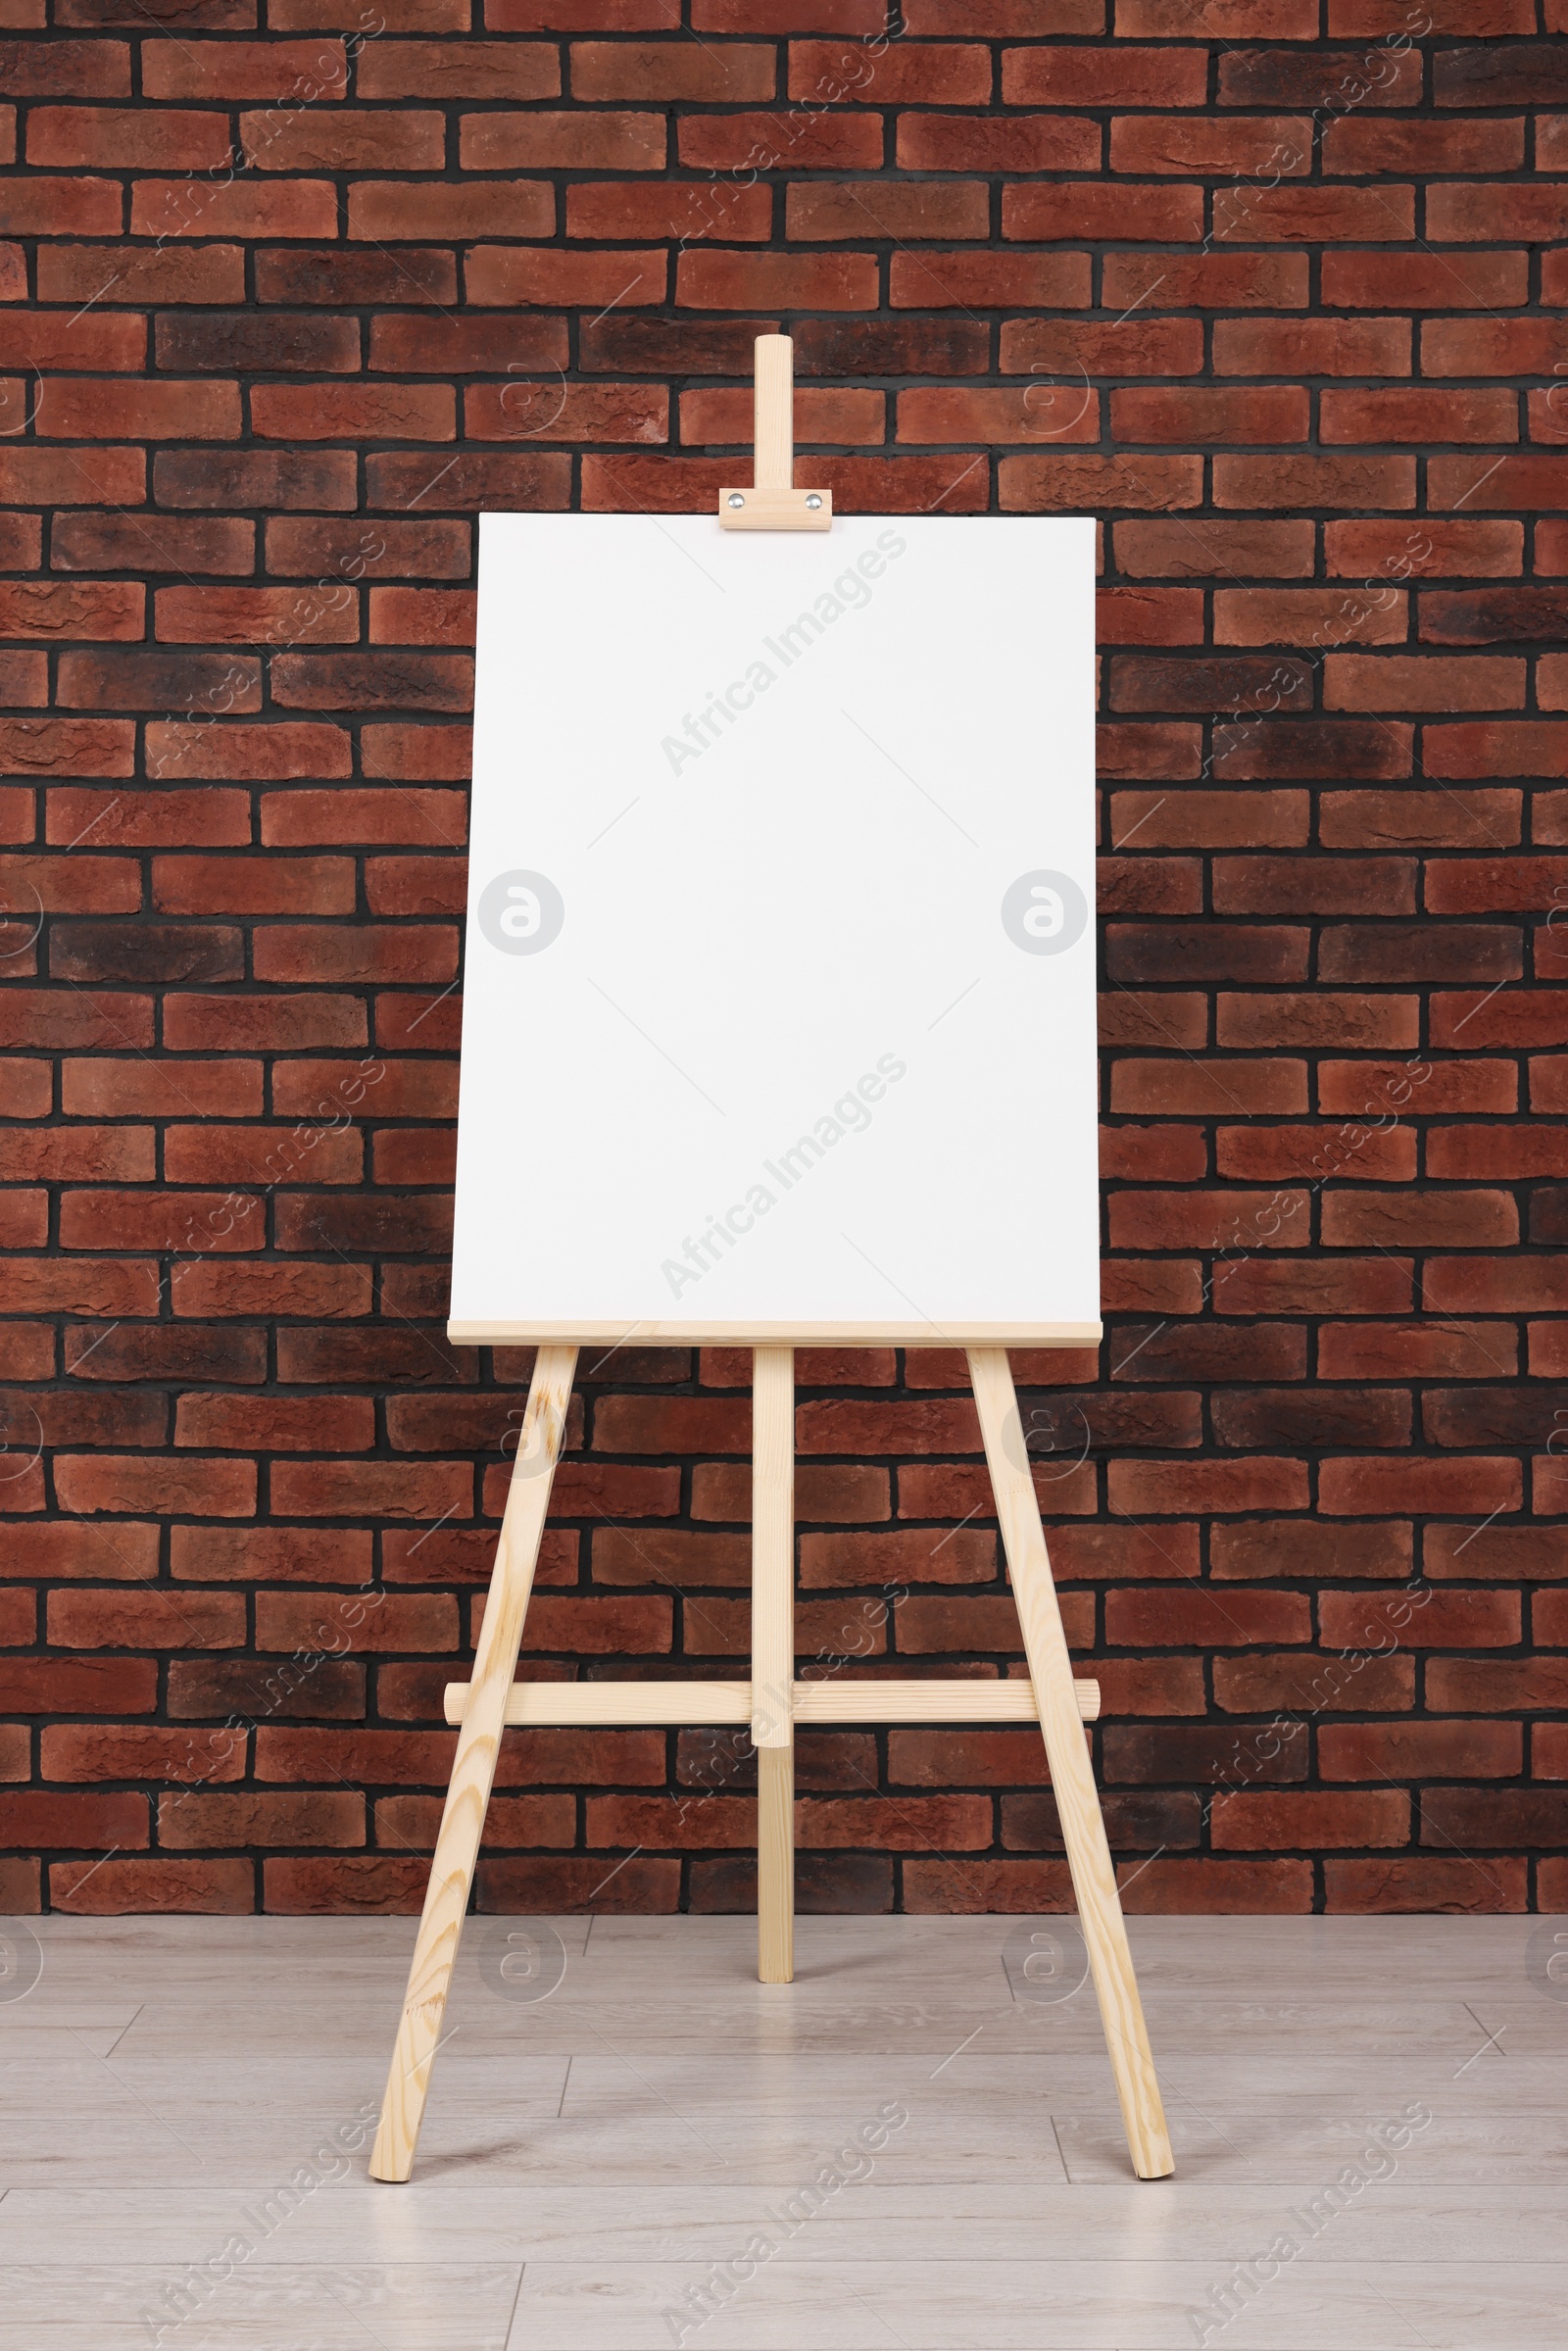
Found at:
(555, 1705)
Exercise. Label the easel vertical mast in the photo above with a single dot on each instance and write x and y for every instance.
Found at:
(772, 502)
(774, 1655)
(773, 414)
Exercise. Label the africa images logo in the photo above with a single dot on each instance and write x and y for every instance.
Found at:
(522, 912)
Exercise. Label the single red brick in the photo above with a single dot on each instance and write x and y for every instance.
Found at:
(270, 1555)
(504, 274)
(381, 1489)
(1314, 481)
(1489, 346)
(365, 1623)
(1222, 20)
(303, 1817)
(1032, 484)
(1256, 1154)
(1321, 1286)
(1208, 281)
(1201, 1618)
(1503, 747)
(861, 17)
(1277, 412)
(1425, 1882)
(1473, 281)
(387, 210)
(1395, 1351)
(956, 413)
(1198, 146)
(130, 1484)
(262, 754)
(1329, 79)
(280, 208)
(684, 209)
(557, 411)
(1428, 1485)
(82, 273)
(58, 69)
(1441, 1620)
(259, 476)
(43, 207)
(1191, 1088)
(822, 413)
(46, 747)
(1312, 346)
(937, 142)
(153, 1883)
(122, 138)
(97, 408)
(299, 70)
(1409, 413)
(256, 615)
(1136, 1488)
(463, 68)
(1318, 214)
(1253, 1818)
(603, 142)
(906, 72)
(989, 281)
(1213, 547)
(1080, 209)
(1378, 615)
(666, 70)
(121, 1620)
(1402, 550)
(1117, 75)
(1517, 482)
(100, 542)
(1373, 144)
(1262, 1549)
(1470, 211)
(122, 1751)
(326, 138)
(354, 412)
(741, 281)
(416, 275)
(1218, 1889)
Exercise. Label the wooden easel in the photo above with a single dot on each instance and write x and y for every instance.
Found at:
(773, 1702)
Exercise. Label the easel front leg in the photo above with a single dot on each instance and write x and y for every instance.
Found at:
(1072, 1778)
(474, 1767)
(773, 1656)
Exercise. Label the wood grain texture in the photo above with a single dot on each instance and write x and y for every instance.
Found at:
(775, 1865)
(774, 509)
(473, 1766)
(934, 1701)
(773, 413)
(774, 1655)
(553, 1705)
(1072, 1777)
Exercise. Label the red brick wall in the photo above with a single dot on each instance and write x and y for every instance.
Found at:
(1269, 286)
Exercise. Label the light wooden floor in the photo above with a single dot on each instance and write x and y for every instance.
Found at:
(594, 2160)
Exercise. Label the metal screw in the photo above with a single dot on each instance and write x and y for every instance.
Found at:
(813, 502)
(735, 498)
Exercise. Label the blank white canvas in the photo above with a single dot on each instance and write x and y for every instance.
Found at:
(771, 1025)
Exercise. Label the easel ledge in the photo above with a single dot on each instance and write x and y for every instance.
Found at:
(775, 1334)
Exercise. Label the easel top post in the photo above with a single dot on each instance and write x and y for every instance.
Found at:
(772, 503)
